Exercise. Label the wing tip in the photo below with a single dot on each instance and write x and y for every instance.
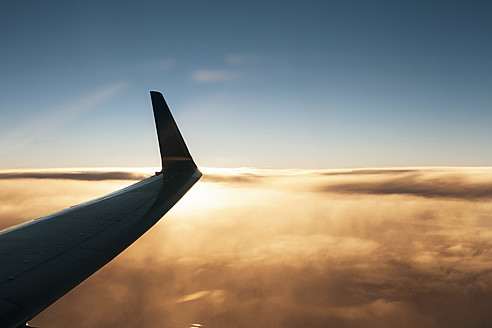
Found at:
(174, 152)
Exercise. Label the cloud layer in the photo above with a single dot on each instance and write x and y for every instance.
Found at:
(73, 175)
(266, 248)
(428, 183)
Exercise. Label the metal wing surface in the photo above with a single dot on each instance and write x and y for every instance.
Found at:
(43, 259)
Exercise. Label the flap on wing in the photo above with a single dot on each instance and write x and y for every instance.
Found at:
(172, 146)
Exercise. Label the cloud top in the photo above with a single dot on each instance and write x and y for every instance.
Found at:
(74, 175)
(415, 183)
(289, 248)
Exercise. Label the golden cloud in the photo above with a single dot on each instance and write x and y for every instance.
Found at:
(288, 248)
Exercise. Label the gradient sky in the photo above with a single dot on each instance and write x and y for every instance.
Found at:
(317, 84)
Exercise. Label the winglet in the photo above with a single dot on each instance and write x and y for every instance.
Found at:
(174, 153)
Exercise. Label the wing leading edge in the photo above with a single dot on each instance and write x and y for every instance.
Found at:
(43, 259)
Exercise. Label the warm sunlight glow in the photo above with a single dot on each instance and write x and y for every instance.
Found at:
(384, 246)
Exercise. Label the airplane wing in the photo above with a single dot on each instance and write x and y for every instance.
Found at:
(43, 259)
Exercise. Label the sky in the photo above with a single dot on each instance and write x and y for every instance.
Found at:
(268, 84)
(345, 147)
(363, 248)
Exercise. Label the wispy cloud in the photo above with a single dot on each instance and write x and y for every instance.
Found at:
(193, 296)
(55, 117)
(216, 75)
(210, 75)
(159, 65)
(237, 59)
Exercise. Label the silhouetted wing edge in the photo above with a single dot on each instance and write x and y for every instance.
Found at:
(45, 258)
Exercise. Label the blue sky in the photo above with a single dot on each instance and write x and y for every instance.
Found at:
(316, 84)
